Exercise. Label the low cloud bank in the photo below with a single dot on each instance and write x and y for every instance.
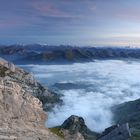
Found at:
(111, 82)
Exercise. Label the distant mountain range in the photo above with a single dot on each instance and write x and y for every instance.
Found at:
(40, 54)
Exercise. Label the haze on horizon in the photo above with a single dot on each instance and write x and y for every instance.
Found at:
(73, 22)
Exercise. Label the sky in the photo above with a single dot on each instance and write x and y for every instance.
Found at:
(70, 22)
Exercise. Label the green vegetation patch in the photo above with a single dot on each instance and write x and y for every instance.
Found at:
(57, 131)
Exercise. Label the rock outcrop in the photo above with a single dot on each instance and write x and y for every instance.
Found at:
(74, 128)
(116, 132)
(76, 124)
(21, 114)
(9, 72)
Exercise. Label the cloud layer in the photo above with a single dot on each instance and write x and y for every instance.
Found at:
(110, 82)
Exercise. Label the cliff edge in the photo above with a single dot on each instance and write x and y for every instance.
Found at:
(21, 114)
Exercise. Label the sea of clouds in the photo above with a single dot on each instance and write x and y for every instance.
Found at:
(110, 82)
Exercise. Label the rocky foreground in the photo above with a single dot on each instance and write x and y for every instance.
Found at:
(22, 116)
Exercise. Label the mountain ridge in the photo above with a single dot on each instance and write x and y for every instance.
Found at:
(41, 54)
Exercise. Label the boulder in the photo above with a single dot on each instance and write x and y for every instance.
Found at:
(74, 128)
(74, 124)
(116, 132)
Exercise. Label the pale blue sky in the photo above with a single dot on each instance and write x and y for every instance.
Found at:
(74, 22)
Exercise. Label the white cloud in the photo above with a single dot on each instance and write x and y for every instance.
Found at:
(111, 82)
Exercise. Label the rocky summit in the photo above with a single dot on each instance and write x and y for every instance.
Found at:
(75, 125)
(74, 128)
